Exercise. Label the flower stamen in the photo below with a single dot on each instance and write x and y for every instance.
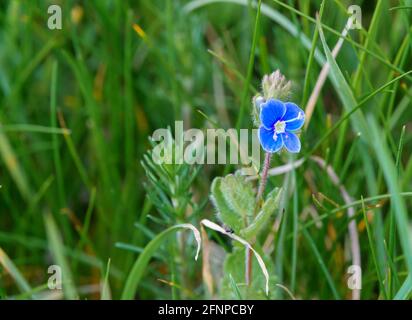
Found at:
(280, 126)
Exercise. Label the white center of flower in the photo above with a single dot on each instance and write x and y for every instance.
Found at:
(280, 126)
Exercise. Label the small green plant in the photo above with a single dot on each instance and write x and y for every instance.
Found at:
(247, 213)
(244, 213)
(235, 203)
(169, 187)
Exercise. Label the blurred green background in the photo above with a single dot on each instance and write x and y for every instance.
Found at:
(77, 106)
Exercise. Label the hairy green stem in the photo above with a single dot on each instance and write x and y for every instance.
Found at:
(259, 196)
(263, 181)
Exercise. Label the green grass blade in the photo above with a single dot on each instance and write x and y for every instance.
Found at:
(269, 12)
(370, 39)
(32, 293)
(405, 291)
(295, 232)
(392, 219)
(57, 250)
(383, 60)
(235, 288)
(140, 265)
(373, 252)
(55, 142)
(389, 170)
(32, 128)
(310, 60)
(251, 63)
(322, 264)
(342, 88)
(348, 114)
(106, 295)
(14, 272)
(14, 167)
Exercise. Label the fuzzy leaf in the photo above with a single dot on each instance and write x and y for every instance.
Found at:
(269, 207)
(239, 195)
(227, 215)
(234, 200)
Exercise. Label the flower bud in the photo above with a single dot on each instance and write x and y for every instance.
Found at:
(275, 86)
(258, 100)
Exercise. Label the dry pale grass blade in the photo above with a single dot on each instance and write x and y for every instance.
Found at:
(14, 272)
(13, 165)
(286, 290)
(310, 106)
(206, 271)
(268, 246)
(310, 210)
(281, 169)
(196, 234)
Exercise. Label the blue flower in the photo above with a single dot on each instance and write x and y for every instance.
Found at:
(278, 122)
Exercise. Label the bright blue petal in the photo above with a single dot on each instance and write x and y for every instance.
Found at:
(294, 117)
(271, 111)
(269, 144)
(291, 142)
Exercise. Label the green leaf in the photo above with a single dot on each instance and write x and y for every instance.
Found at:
(405, 290)
(269, 207)
(343, 89)
(105, 293)
(272, 14)
(234, 199)
(238, 194)
(14, 272)
(227, 216)
(322, 264)
(58, 252)
(235, 287)
(140, 265)
(32, 294)
(387, 164)
(373, 252)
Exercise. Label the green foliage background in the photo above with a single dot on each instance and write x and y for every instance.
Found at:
(77, 106)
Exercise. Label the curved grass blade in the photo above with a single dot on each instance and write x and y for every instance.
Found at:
(140, 265)
(216, 227)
